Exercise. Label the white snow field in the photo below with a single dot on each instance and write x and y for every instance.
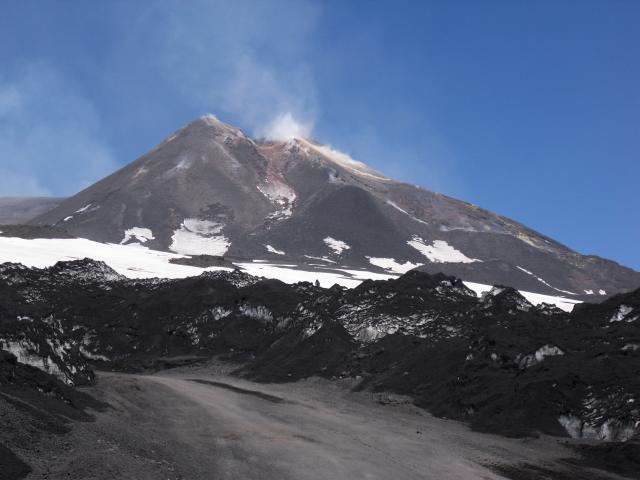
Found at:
(440, 251)
(563, 303)
(391, 264)
(137, 235)
(199, 237)
(337, 246)
(289, 273)
(137, 261)
(273, 249)
(133, 261)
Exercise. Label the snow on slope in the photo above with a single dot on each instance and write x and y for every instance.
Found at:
(136, 261)
(543, 281)
(337, 246)
(291, 274)
(137, 234)
(394, 205)
(88, 207)
(565, 304)
(131, 261)
(390, 264)
(281, 195)
(199, 237)
(440, 251)
(273, 249)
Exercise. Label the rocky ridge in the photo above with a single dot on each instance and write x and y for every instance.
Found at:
(497, 362)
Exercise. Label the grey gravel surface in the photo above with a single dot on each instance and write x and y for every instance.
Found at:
(200, 424)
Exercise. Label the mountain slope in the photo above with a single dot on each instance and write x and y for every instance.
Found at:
(209, 189)
(15, 210)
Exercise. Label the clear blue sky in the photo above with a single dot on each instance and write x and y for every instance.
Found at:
(527, 108)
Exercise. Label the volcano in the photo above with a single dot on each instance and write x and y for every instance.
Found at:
(210, 190)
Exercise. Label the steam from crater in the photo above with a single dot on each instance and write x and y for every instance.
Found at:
(285, 127)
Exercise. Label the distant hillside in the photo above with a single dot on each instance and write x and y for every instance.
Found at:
(14, 210)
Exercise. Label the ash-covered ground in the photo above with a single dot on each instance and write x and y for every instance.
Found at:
(199, 423)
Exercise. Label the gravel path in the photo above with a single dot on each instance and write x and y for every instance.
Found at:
(199, 425)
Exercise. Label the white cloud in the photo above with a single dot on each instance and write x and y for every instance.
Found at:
(51, 142)
(244, 60)
(285, 127)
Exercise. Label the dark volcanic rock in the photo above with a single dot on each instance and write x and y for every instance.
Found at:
(497, 362)
(34, 231)
(619, 458)
(36, 388)
(11, 467)
(85, 270)
(203, 261)
(237, 277)
(301, 353)
(33, 404)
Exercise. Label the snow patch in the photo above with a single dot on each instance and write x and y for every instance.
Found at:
(527, 239)
(611, 430)
(274, 250)
(337, 246)
(219, 312)
(184, 163)
(199, 237)
(139, 262)
(563, 303)
(369, 334)
(26, 353)
(322, 259)
(440, 251)
(539, 355)
(541, 280)
(631, 347)
(138, 234)
(392, 265)
(492, 292)
(333, 176)
(93, 356)
(259, 312)
(310, 331)
(621, 314)
(213, 121)
(394, 205)
(290, 274)
(140, 172)
(87, 207)
(281, 195)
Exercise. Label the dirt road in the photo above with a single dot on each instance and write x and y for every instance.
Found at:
(203, 426)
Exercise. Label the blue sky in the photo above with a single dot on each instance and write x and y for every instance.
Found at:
(530, 109)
